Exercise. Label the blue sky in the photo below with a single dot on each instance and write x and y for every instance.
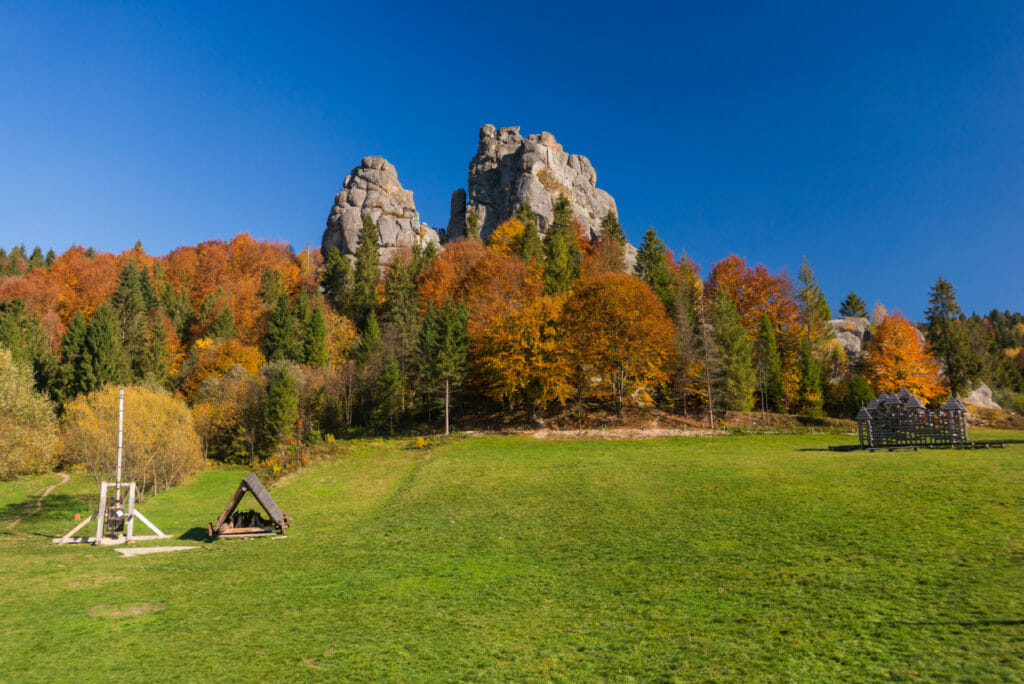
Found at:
(884, 141)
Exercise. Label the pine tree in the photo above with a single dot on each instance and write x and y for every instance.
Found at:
(282, 341)
(814, 309)
(948, 338)
(315, 339)
(734, 371)
(472, 225)
(36, 260)
(652, 267)
(76, 363)
(281, 413)
(443, 346)
(156, 358)
(687, 343)
(853, 307)
(367, 274)
(388, 394)
(562, 256)
(769, 366)
(129, 305)
(50, 258)
(223, 327)
(533, 247)
(103, 342)
(337, 280)
(402, 319)
(809, 401)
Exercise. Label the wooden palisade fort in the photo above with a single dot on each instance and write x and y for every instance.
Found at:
(901, 421)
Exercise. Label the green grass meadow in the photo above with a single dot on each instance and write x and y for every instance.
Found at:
(749, 557)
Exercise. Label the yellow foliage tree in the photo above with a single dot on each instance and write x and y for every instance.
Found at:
(507, 238)
(28, 430)
(161, 444)
(898, 357)
(617, 332)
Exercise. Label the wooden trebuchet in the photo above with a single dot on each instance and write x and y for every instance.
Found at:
(232, 523)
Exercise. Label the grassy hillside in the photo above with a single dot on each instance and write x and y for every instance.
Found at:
(511, 558)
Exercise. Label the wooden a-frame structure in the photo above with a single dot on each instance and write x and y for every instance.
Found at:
(250, 524)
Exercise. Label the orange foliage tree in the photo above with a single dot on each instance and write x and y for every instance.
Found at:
(897, 357)
(517, 353)
(447, 275)
(214, 359)
(617, 331)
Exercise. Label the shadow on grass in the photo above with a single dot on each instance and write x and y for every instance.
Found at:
(963, 623)
(53, 506)
(197, 534)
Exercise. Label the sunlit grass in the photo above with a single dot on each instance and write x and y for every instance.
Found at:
(503, 558)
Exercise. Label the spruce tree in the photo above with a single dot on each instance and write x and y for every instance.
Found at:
(948, 338)
(37, 260)
(367, 274)
(687, 343)
(315, 339)
(50, 258)
(282, 341)
(472, 225)
(223, 327)
(402, 319)
(103, 342)
(561, 255)
(810, 398)
(443, 346)
(734, 371)
(533, 247)
(337, 280)
(388, 395)
(853, 307)
(129, 305)
(769, 366)
(652, 267)
(76, 363)
(814, 309)
(281, 411)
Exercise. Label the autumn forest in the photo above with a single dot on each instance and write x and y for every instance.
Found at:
(264, 350)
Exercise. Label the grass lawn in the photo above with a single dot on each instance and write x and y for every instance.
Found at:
(507, 558)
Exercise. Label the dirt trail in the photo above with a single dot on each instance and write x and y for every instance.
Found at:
(64, 477)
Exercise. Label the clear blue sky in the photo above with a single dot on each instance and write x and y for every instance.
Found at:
(884, 141)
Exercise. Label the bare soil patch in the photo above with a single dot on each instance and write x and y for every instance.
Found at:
(134, 610)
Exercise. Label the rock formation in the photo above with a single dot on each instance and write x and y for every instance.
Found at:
(852, 333)
(372, 189)
(980, 397)
(509, 169)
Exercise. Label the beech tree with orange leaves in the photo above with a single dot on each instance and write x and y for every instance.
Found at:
(617, 332)
(898, 357)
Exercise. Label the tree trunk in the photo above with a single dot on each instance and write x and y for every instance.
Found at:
(446, 396)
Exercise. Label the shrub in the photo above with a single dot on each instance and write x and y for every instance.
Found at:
(161, 447)
(29, 430)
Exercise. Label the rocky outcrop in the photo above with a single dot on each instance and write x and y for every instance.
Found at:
(372, 189)
(509, 169)
(980, 397)
(852, 333)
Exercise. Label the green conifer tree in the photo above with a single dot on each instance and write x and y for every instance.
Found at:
(769, 366)
(734, 376)
(76, 363)
(532, 246)
(810, 397)
(472, 225)
(853, 307)
(948, 337)
(315, 339)
(282, 341)
(367, 274)
(103, 342)
(652, 267)
(336, 281)
(561, 255)
(281, 414)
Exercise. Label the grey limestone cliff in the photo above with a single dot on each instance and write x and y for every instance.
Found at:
(372, 189)
(509, 169)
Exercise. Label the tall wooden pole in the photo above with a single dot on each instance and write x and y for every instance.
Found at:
(120, 440)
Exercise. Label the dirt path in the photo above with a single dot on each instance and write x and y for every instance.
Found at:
(64, 477)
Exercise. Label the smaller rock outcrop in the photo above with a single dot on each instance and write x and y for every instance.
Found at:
(852, 332)
(372, 189)
(980, 397)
